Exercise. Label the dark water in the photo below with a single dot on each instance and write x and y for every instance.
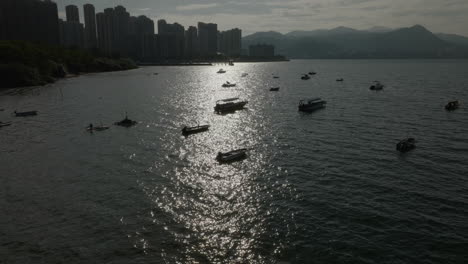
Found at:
(326, 187)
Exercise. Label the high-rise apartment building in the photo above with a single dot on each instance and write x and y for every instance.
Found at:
(208, 39)
(191, 42)
(73, 15)
(230, 42)
(90, 35)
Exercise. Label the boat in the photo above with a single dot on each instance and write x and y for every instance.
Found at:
(377, 86)
(221, 71)
(311, 105)
(195, 129)
(274, 89)
(406, 145)
(305, 77)
(28, 113)
(275, 77)
(340, 80)
(452, 105)
(244, 74)
(155, 73)
(126, 122)
(92, 128)
(229, 105)
(312, 73)
(228, 84)
(4, 124)
(231, 63)
(231, 156)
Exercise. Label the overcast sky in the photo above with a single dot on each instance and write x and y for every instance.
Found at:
(447, 16)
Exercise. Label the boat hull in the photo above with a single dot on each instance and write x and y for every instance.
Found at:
(194, 130)
(225, 108)
(232, 156)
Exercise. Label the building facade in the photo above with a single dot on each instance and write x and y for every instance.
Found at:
(208, 39)
(90, 35)
(72, 13)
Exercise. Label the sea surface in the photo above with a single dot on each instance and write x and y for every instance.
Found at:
(323, 187)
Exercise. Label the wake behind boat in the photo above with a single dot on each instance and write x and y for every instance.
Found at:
(229, 105)
(231, 156)
(311, 105)
(4, 124)
(194, 130)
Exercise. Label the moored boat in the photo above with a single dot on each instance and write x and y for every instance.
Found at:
(340, 80)
(195, 129)
(305, 77)
(231, 156)
(311, 105)
(377, 86)
(27, 113)
(406, 145)
(452, 105)
(312, 73)
(92, 128)
(274, 89)
(221, 71)
(229, 105)
(275, 77)
(244, 75)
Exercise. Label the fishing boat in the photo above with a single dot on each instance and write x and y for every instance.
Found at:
(305, 77)
(453, 105)
(92, 128)
(312, 73)
(274, 89)
(126, 122)
(229, 105)
(28, 113)
(311, 105)
(340, 80)
(406, 145)
(228, 84)
(4, 124)
(231, 156)
(221, 71)
(194, 130)
(376, 86)
(275, 77)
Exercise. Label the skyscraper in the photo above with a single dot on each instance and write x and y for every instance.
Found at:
(208, 38)
(73, 15)
(230, 42)
(90, 26)
(121, 29)
(171, 40)
(191, 42)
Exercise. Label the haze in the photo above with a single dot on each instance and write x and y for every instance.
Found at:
(448, 16)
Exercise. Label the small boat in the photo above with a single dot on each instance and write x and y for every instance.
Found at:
(311, 105)
(406, 145)
(221, 71)
(452, 105)
(312, 73)
(28, 113)
(231, 156)
(228, 84)
(4, 124)
(244, 74)
(92, 128)
(305, 77)
(193, 130)
(229, 105)
(340, 80)
(274, 89)
(275, 77)
(155, 73)
(231, 63)
(126, 122)
(377, 86)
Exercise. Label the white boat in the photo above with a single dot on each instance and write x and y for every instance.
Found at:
(231, 156)
(229, 105)
(311, 105)
(221, 71)
(228, 84)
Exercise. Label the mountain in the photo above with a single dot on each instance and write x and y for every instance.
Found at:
(452, 38)
(378, 29)
(343, 42)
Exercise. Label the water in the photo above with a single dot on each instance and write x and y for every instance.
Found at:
(326, 187)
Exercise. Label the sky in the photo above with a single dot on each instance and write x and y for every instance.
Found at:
(446, 16)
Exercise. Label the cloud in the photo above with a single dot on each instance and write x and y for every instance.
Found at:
(196, 7)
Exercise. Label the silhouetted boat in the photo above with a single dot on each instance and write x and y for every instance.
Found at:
(229, 105)
(4, 124)
(231, 156)
(406, 145)
(340, 80)
(28, 113)
(312, 73)
(228, 84)
(452, 105)
(221, 71)
(92, 128)
(311, 105)
(155, 73)
(193, 130)
(244, 74)
(274, 89)
(305, 77)
(275, 77)
(377, 86)
(231, 63)
(126, 122)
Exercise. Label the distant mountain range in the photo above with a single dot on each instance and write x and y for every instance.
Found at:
(377, 42)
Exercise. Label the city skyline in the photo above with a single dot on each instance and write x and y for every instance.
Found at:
(265, 15)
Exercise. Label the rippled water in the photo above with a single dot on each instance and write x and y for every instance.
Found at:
(326, 187)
